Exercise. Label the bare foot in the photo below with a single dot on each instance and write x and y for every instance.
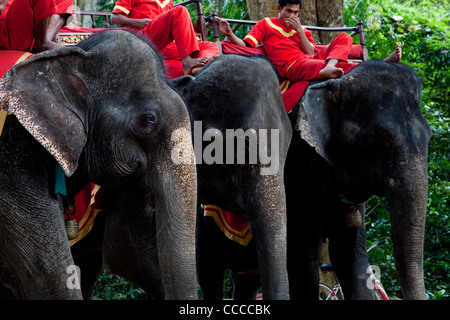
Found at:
(210, 59)
(331, 72)
(189, 64)
(396, 55)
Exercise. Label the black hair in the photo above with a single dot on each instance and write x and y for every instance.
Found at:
(282, 3)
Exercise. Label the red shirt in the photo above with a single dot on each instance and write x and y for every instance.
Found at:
(281, 43)
(140, 9)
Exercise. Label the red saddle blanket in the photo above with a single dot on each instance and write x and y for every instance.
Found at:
(233, 226)
(8, 58)
(88, 203)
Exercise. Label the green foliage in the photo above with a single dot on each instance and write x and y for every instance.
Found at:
(112, 287)
(104, 6)
(230, 9)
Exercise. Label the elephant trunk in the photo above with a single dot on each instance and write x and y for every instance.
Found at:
(407, 196)
(269, 229)
(175, 224)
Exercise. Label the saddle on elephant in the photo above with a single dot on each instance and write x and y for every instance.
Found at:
(87, 204)
(233, 226)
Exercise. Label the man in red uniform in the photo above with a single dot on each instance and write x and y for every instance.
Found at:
(31, 25)
(163, 23)
(291, 47)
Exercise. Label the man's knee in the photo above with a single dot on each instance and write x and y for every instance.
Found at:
(345, 38)
(181, 11)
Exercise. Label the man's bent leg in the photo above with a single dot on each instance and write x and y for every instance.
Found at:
(180, 30)
(174, 24)
(338, 49)
(311, 69)
(305, 70)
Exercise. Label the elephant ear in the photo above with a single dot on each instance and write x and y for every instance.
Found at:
(49, 98)
(315, 116)
(182, 85)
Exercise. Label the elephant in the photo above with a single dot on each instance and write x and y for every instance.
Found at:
(73, 109)
(357, 136)
(241, 96)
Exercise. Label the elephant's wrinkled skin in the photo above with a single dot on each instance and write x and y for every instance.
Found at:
(76, 106)
(235, 92)
(360, 135)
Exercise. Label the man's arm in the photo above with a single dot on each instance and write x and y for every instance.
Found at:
(3, 4)
(224, 27)
(123, 21)
(306, 46)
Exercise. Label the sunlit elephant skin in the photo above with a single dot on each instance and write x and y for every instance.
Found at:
(74, 108)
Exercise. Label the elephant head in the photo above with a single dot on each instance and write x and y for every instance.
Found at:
(104, 112)
(368, 126)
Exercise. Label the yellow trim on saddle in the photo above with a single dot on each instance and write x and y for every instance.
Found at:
(242, 237)
(3, 115)
(24, 57)
(90, 220)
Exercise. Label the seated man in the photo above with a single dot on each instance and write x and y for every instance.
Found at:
(163, 23)
(291, 48)
(31, 25)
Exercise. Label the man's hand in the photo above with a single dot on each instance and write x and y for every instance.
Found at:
(294, 22)
(224, 26)
(123, 21)
(141, 23)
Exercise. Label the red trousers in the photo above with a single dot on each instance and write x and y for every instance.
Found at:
(308, 69)
(18, 20)
(174, 24)
(174, 68)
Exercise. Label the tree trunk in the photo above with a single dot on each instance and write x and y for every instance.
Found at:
(308, 17)
(324, 13)
(330, 13)
(259, 9)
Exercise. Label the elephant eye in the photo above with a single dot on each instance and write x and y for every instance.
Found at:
(147, 119)
(150, 118)
(144, 123)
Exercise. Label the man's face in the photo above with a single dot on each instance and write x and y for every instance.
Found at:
(288, 10)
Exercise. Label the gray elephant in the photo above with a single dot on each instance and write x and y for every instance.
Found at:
(74, 108)
(241, 137)
(360, 135)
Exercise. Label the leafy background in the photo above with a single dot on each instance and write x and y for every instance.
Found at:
(423, 28)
